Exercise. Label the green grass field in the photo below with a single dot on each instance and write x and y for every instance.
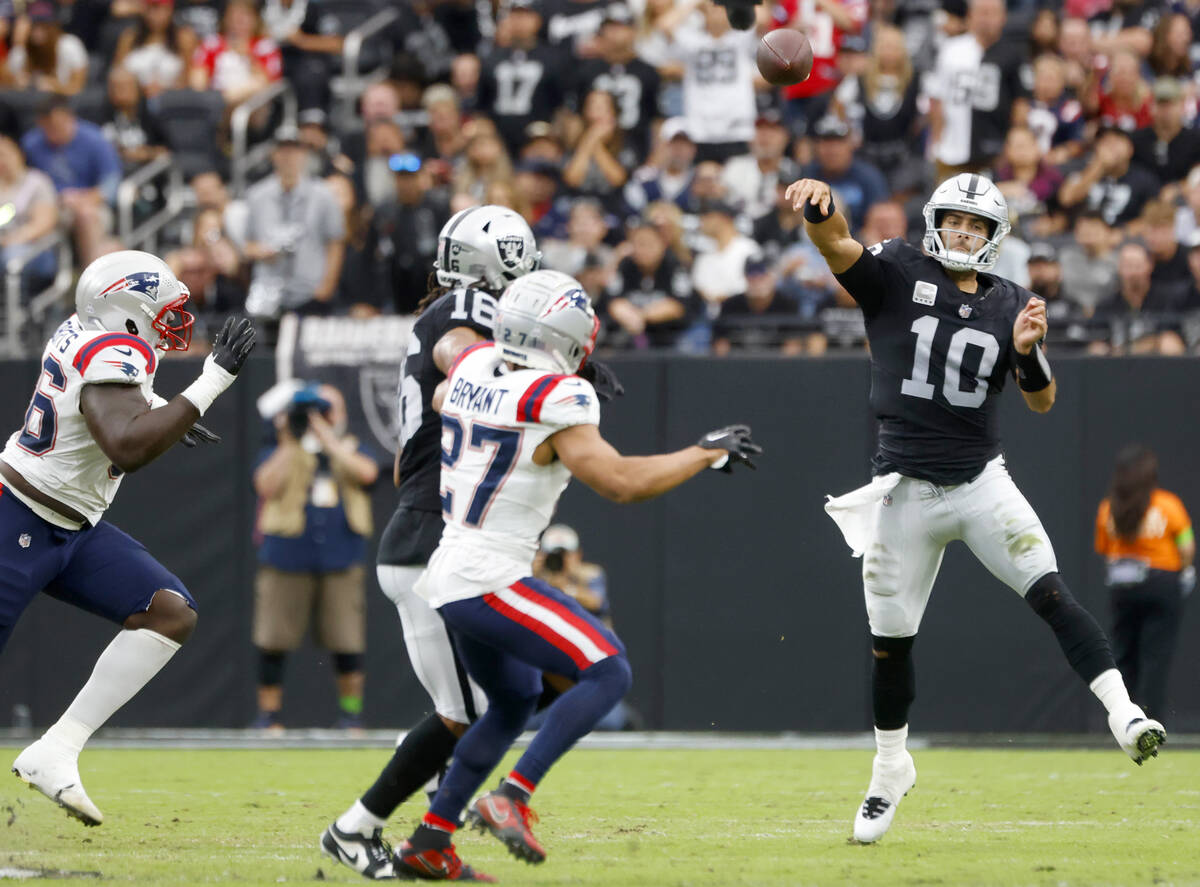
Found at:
(644, 818)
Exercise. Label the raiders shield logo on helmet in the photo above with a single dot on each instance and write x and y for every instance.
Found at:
(512, 250)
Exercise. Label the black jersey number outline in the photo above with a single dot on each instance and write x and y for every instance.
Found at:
(918, 385)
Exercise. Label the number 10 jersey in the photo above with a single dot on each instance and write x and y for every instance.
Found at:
(939, 358)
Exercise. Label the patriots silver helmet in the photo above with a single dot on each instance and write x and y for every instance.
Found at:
(485, 246)
(546, 321)
(134, 292)
(978, 196)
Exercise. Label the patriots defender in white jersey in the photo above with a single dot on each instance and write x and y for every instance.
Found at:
(944, 336)
(91, 421)
(517, 423)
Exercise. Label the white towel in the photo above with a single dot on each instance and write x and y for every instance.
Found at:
(857, 513)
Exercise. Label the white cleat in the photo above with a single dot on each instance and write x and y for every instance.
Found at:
(889, 783)
(55, 773)
(1138, 735)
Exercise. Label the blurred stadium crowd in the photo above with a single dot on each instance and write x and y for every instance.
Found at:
(302, 155)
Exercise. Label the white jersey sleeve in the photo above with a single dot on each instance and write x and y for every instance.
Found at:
(54, 449)
(570, 401)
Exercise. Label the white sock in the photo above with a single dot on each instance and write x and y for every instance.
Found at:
(132, 659)
(358, 819)
(890, 743)
(1109, 688)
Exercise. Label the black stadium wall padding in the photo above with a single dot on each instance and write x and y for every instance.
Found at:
(736, 596)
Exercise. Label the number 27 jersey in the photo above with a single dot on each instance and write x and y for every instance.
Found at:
(496, 500)
(939, 358)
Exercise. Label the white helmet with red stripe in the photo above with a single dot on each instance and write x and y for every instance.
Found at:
(545, 321)
(137, 293)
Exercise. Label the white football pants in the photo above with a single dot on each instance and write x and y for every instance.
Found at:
(454, 694)
(916, 522)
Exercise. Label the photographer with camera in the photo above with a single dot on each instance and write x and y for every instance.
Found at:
(295, 237)
(314, 521)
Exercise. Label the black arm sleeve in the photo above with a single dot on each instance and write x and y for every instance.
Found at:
(865, 281)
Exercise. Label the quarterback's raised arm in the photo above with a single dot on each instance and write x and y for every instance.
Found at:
(1033, 370)
(824, 224)
(624, 479)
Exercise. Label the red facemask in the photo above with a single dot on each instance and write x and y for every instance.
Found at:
(174, 325)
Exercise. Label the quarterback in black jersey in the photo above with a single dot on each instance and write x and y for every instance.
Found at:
(944, 335)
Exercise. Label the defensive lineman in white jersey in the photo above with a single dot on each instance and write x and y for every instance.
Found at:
(89, 422)
(517, 424)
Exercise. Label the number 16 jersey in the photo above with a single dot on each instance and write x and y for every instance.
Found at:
(496, 500)
(939, 358)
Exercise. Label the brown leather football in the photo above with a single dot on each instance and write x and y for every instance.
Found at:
(784, 57)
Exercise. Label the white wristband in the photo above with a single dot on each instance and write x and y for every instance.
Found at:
(212, 381)
(720, 463)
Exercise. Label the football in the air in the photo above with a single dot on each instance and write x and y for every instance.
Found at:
(784, 57)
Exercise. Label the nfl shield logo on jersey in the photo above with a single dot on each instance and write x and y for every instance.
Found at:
(24, 539)
(512, 250)
(964, 311)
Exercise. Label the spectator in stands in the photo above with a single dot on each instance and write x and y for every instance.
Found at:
(1166, 147)
(239, 61)
(1068, 324)
(444, 143)
(131, 128)
(1089, 264)
(465, 71)
(403, 238)
(618, 71)
(1187, 217)
(763, 318)
(1170, 257)
(539, 182)
(885, 220)
(156, 49)
(201, 18)
(1108, 181)
(649, 301)
(778, 229)
(373, 175)
(752, 180)
(1141, 319)
(1125, 97)
(1081, 68)
(668, 173)
(542, 70)
(1028, 182)
(84, 167)
(485, 160)
(1171, 47)
(857, 182)
(379, 103)
(324, 156)
(542, 142)
(716, 64)
(294, 237)
(1145, 535)
(211, 268)
(720, 270)
(1055, 115)
(357, 289)
(28, 212)
(829, 24)
(882, 103)
(43, 56)
(587, 230)
(307, 49)
(209, 192)
(975, 93)
(314, 521)
(599, 163)
(1191, 299)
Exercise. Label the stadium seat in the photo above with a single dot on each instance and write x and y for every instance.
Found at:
(21, 106)
(190, 120)
(92, 103)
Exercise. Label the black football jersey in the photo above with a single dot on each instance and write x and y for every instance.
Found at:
(420, 424)
(939, 357)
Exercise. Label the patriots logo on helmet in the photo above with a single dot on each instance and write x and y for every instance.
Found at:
(511, 249)
(575, 298)
(144, 282)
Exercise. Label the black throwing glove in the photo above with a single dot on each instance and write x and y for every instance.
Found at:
(198, 434)
(233, 344)
(603, 379)
(735, 439)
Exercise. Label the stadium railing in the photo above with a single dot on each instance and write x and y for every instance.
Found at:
(144, 235)
(17, 314)
(347, 86)
(247, 157)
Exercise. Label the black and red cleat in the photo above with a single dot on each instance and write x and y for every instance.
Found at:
(436, 864)
(509, 821)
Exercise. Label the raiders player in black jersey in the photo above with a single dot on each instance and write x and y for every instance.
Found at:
(481, 250)
(944, 335)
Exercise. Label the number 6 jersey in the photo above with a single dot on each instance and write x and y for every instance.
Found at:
(55, 450)
(939, 357)
(496, 501)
